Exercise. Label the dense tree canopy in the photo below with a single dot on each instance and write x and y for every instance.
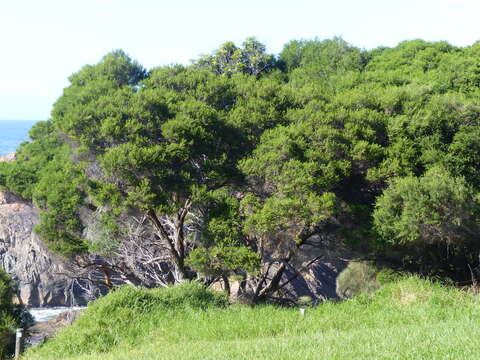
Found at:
(243, 149)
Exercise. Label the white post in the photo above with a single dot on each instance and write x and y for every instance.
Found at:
(302, 312)
(18, 342)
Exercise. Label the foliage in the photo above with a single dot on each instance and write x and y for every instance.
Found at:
(250, 59)
(430, 213)
(435, 208)
(10, 315)
(32, 158)
(44, 173)
(322, 58)
(243, 150)
(223, 249)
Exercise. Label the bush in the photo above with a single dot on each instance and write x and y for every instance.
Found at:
(431, 221)
(8, 319)
(357, 278)
(192, 295)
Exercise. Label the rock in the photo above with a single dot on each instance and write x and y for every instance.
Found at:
(37, 272)
(7, 158)
(41, 331)
(317, 267)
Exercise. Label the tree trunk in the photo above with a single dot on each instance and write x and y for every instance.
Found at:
(180, 272)
(173, 245)
(226, 283)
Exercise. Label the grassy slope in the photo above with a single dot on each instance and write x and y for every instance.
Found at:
(407, 319)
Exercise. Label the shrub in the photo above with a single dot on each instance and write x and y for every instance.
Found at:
(355, 279)
(7, 312)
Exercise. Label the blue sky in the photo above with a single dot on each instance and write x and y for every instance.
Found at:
(43, 42)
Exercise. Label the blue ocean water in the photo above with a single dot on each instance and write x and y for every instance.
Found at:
(12, 133)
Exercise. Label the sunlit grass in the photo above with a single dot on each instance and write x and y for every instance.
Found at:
(408, 319)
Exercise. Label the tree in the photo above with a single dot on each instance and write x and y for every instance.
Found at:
(9, 313)
(233, 164)
(320, 59)
(463, 157)
(157, 152)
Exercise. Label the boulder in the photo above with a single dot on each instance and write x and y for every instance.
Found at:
(7, 158)
(37, 272)
(42, 331)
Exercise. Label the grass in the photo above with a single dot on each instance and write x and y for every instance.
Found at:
(405, 319)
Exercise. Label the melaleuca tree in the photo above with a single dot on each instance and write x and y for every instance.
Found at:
(317, 61)
(412, 56)
(115, 76)
(44, 173)
(290, 196)
(32, 157)
(59, 195)
(260, 104)
(158, 149)
(322, 132)
(463, 157)
(300, 177)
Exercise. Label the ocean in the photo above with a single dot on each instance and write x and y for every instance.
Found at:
(12, 134)
(44, 314)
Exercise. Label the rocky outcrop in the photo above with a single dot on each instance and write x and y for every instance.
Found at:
(7, 158)
(41, 331)
(310, 278)
(37, 272)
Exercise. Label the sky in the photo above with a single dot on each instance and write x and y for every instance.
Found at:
(43, 42)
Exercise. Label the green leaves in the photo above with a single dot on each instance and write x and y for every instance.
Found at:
(279, 215)
(227, 60)
(8, 318)
(223, 247)
(240, 146)
(433, 209)
(57, 194)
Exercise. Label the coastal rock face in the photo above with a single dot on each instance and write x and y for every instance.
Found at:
(7, 158)
(44, 330)
(37, 272)
(320, 262)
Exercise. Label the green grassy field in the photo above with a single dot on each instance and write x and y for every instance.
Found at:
(406, 319)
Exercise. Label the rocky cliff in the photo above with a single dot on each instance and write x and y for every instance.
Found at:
(9, 157)
(36, 270)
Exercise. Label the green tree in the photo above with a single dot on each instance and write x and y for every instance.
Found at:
(8, 314)
(241, 149)
(224, 249)
(43, 172)
(159, 152)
